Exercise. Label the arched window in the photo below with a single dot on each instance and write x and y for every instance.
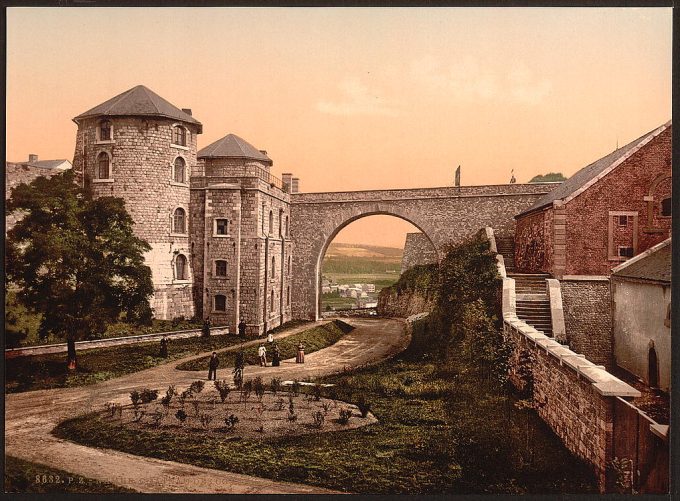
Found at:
(103, 166)
(273, 274)
(180, 267)
(287, 234)
(667, 207)
(271, 222)
(179, 220)
(179, 170)
(288, 296)
(280, 222)
(179, 135)
(271, 302)
(289, 264)
(220, 302)
(220, 268)
(105, 130)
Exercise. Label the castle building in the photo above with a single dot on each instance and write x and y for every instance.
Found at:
(216, 219)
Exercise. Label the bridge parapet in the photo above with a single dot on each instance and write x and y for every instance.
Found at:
(427, 193)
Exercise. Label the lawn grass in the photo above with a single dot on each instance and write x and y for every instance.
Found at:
(441, 430)
(27, 477)
(314, 339)
(39, 372)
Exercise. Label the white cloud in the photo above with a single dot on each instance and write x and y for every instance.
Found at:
(357, 99)
(467, 80)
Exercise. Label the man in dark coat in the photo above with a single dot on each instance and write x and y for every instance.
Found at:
(242, 328)
(164, 347)
(212, 366)
(206, 327)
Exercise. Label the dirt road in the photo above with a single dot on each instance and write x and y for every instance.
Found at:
(31, 416)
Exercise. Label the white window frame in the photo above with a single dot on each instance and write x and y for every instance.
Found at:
(214, 232)
(185, 184)
(96, 178)
(97, 132)
(226, 275)
(187, 137)
(186, 222)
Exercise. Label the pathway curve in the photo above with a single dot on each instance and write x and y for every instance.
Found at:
(31, 416)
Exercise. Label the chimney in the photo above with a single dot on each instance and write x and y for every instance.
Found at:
(32, 157)
(187, 111)
(287, 180)
(295, 188)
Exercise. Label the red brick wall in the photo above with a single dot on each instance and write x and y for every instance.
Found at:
(623, 189)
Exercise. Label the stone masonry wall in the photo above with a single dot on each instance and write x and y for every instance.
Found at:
(141, 157)
(16, 174)
(532, 249)
(417, 250)
(404, 304)
(587, 319)
(444, 214)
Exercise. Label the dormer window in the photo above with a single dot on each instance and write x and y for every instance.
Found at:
(103, 166)
(179, 170)
(105, 130)
(179, 135)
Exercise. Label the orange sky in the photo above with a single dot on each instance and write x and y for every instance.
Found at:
(351, 99)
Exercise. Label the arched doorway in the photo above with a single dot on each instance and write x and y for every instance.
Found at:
(382, 241)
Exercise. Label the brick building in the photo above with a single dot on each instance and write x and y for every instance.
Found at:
(609, 211)
(217, 220)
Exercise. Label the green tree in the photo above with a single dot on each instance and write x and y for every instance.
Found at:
(548, 178)
(76, 260)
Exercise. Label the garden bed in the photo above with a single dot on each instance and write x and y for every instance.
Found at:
(247, 413)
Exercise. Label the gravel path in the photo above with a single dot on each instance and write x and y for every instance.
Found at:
(31, 416)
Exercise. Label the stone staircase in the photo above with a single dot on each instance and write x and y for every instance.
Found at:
(506, 247)
(533, 304)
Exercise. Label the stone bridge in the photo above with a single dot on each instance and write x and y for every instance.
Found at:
(444, 215)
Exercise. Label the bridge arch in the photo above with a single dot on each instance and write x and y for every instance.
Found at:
(343, 225)
(447, 214)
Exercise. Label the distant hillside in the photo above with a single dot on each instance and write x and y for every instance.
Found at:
(360, 250)
(359, 258)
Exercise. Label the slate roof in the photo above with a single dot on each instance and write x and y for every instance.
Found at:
(139, 101)
(589, 172)
(232, 146)
(46, 164)
(653, 264)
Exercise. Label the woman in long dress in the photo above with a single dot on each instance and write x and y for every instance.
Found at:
(300, 359)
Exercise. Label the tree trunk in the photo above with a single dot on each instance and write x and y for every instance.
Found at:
(71, 346)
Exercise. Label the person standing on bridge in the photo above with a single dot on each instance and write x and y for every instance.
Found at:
(212, 366)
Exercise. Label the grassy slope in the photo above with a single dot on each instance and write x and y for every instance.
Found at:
(27, 477)
(314, 339)
(440, 431)
(100, 364)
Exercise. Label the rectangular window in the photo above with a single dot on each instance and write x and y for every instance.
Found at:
(220, 303)
(221, 226)
(220, 268)
(623, 220)
(625, 251)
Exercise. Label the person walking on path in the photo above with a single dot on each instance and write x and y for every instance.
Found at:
(300, 359)
(164, 347)
(242, 328)
(276, 357)
(206, 327)
(262, 353)
(212, 366)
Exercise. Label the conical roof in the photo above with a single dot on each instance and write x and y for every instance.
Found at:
(232, 146)
(139, 101)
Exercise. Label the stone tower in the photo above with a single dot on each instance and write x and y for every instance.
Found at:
(141, 148)
(242, 247)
